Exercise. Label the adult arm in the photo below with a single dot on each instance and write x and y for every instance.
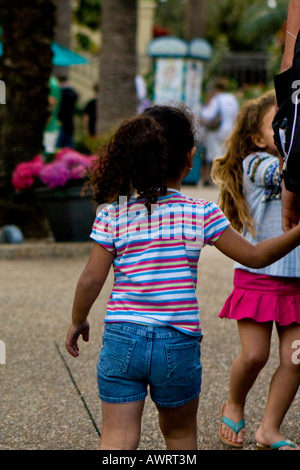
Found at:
(292, 29)
(290, 201)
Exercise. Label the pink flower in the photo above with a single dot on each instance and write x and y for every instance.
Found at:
(55, 174)
(24, 174)
(68, 165)
(37, 164)
(78, 172)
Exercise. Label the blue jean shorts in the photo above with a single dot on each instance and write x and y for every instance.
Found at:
(135, 356)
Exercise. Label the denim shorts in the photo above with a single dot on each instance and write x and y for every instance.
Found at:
(135, 356)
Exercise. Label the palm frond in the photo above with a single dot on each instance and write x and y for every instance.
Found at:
(261, 20)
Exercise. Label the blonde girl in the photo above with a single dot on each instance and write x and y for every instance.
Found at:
(250, 196)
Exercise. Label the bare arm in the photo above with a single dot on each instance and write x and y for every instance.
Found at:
(88, 288)
(290, 201)
(236, 247)
(292, 27)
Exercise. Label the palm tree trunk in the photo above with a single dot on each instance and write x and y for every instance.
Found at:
(117, 98)
(195, 19)
(62, 34)
(27, 33)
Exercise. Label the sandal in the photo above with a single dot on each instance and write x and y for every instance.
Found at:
(276, 446)
(236, 427)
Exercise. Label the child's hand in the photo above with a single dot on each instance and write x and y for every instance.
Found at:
(73, 335)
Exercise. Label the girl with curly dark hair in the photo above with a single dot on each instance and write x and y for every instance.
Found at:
(153, 235)
(146, 153)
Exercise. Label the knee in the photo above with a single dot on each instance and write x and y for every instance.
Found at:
(255, 360)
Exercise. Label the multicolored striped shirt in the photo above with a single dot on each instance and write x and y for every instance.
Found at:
(156, 257)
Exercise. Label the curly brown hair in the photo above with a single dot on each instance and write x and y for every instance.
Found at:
(227, 171)
(145, 151)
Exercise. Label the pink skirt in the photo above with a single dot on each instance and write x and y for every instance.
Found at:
(263, 298)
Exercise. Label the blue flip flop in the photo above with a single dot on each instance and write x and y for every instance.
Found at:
(236, 427)
(276, 446)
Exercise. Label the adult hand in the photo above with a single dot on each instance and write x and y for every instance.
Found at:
(290, 211)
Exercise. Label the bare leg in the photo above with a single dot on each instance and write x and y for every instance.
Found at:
(179, 426)
(283, 388)
(121, 425)
(255, 348)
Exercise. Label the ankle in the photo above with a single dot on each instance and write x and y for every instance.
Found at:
(267, 436)
(235, 407)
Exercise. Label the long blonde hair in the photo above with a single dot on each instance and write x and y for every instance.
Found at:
(227, 171)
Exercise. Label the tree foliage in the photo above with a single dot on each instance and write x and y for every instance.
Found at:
(88, 13)
(244, 25)
(260, 22)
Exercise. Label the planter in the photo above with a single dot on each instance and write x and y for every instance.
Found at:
(70, 215)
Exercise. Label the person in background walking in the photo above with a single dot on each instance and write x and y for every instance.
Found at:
(217, 117)
(52, 127)
(90, 114)
(66, 114)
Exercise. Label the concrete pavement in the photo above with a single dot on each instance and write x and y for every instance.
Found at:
(40, 406)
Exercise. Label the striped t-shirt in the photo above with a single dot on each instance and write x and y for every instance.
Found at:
(156, 256)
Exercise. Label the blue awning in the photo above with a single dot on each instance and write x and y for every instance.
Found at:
(62, 56)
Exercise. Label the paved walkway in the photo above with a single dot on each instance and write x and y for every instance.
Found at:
(40, 406)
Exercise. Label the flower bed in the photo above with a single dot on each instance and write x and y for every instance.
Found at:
(67, 167)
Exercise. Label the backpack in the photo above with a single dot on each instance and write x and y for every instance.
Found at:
(286, 123)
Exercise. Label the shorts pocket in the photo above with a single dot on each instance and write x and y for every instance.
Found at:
(115, 354)
(183, 360)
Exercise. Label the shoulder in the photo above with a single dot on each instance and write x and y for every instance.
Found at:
(227, 97)
(251, 160)
(190, 201)
(198, 202)
(210, 211)
(215, 222)
(258, 158)
(107, 210)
